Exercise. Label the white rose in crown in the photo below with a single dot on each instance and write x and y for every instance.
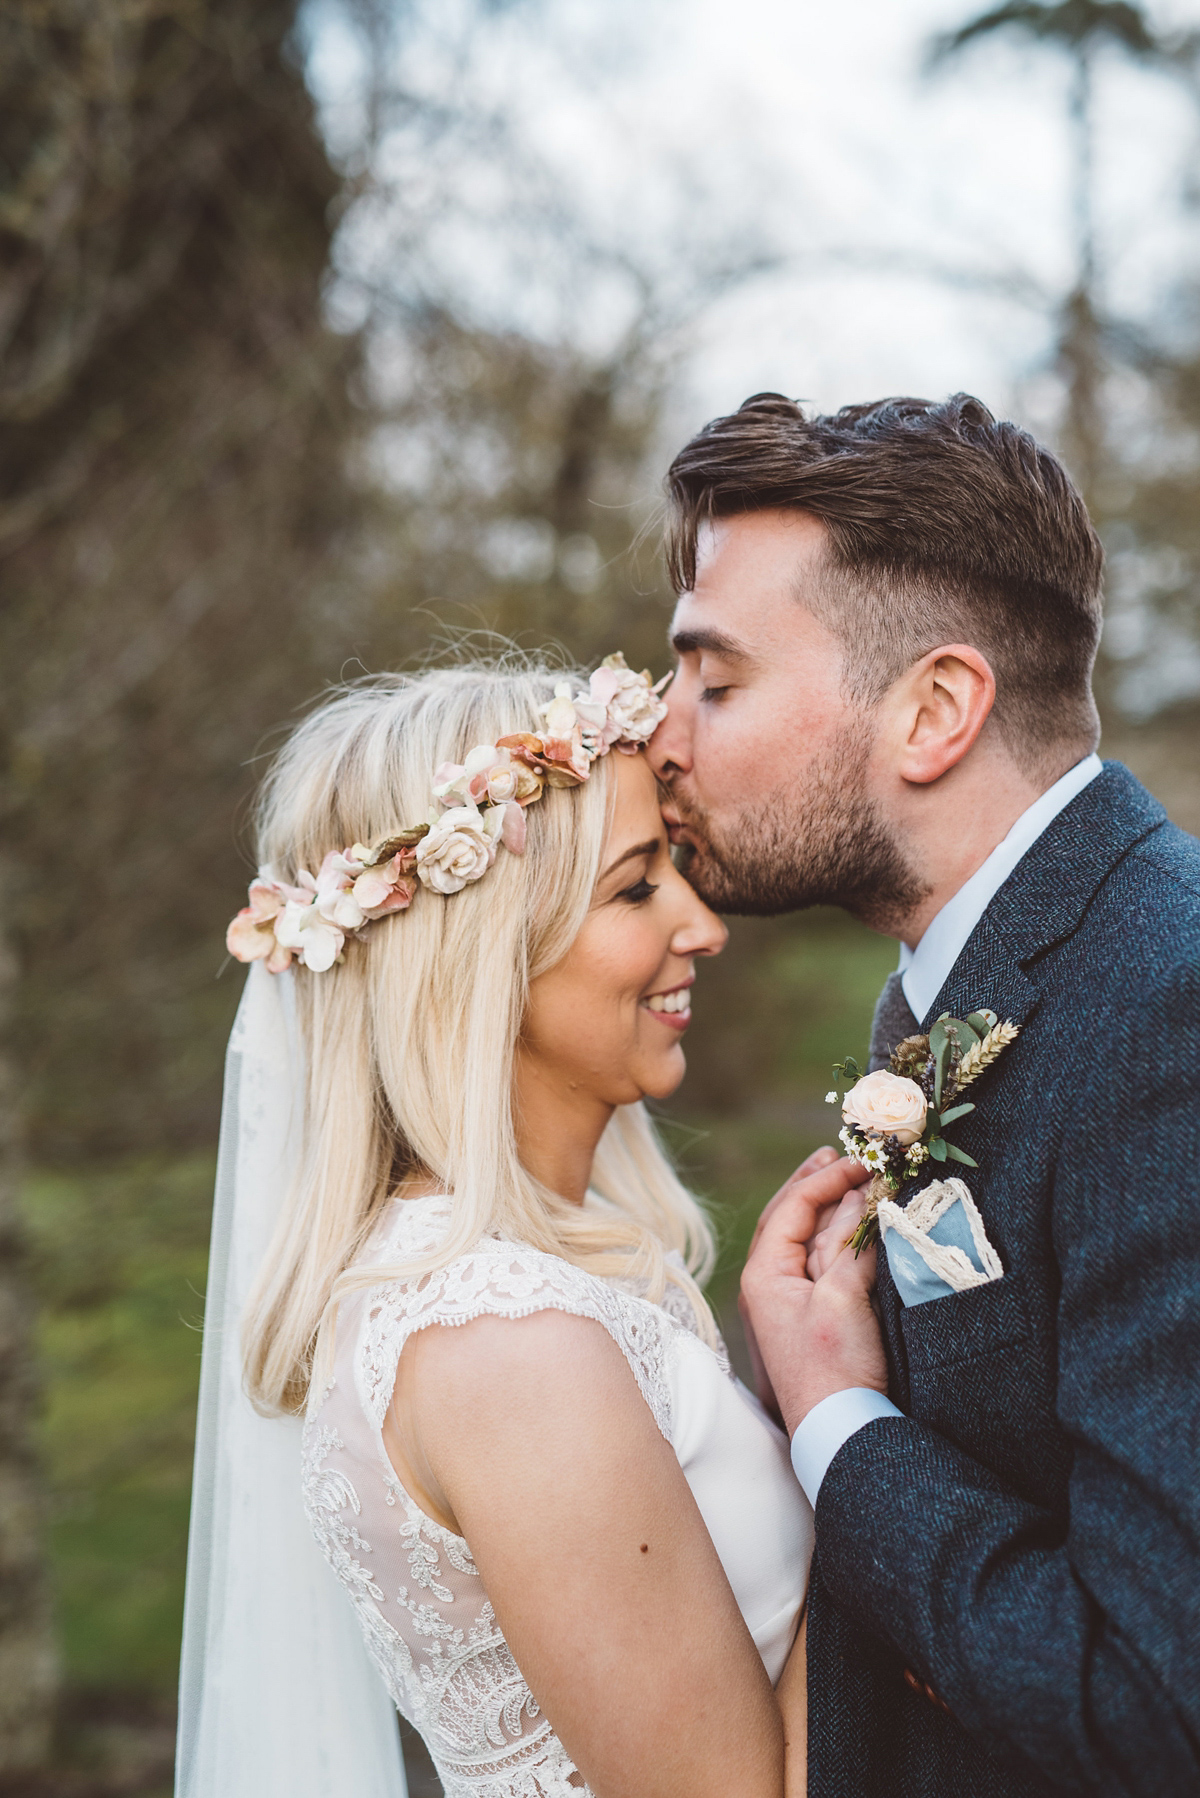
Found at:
(883, 1104)
(459, 848)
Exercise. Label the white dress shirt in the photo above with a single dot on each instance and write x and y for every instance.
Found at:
(924, 971)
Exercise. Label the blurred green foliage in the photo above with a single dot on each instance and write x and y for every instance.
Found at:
(120, 1259)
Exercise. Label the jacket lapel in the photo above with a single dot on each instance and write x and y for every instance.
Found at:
(1044, 900)
(1047, 894)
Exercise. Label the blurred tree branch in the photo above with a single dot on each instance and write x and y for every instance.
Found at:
(1080, 29)
(1143, 502)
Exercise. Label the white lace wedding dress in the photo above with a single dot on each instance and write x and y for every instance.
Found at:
(414, 1585)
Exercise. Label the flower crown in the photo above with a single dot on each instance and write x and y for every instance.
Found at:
(477, 806)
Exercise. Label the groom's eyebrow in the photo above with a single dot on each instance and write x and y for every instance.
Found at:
(686, 643)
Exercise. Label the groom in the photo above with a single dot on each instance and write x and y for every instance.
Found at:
(885, 630)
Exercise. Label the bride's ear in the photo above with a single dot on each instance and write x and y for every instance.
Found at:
(940, 706)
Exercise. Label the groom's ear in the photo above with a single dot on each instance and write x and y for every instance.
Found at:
(939, 708)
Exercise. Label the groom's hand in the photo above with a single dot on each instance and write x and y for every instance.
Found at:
(807, 1297)
(820, 1158)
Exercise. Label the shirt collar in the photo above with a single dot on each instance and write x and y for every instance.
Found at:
(924, 970)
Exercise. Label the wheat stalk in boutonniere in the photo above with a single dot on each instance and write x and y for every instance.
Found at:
(895, 1119)
(982, 1054)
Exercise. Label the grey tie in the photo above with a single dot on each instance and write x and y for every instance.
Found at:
(893, 1021)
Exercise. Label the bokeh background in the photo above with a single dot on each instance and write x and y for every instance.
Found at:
(331, 331)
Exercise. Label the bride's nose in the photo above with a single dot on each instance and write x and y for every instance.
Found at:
(699, 931)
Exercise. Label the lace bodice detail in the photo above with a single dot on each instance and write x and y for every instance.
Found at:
(418, 1594)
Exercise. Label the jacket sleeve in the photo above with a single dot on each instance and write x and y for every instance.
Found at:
(1071, 1644)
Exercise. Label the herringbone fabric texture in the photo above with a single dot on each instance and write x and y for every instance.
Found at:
(893, 1021)
(1027, 1539)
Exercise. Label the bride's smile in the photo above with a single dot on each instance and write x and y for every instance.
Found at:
(674, 1007)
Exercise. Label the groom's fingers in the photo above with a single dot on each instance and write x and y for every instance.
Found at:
(785, 1233)
(834, 1232)
(820, 1158)
(854, 1274)
(815, 1336)
(822, 1237)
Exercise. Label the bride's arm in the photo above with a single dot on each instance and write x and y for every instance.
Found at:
(533, 1437)
(792, 1695)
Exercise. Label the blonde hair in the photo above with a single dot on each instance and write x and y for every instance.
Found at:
(410, 1044)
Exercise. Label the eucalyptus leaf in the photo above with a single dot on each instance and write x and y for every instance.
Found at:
(941, 1046)
(956, 1154)
(955, 1111)
(982, 1021)
(938, 1149)
(968, 1036)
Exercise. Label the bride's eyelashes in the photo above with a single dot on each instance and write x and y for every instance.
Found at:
(638, 893)
(710, 695)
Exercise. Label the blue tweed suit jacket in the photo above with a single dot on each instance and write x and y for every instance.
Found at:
(1026, 1539)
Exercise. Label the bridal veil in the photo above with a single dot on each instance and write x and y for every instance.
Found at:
(278, 1697)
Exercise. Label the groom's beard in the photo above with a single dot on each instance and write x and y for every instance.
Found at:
(828, 843)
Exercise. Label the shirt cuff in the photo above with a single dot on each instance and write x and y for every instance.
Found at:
(829, 1425)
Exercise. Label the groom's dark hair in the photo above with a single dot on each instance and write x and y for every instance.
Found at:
(944, 525)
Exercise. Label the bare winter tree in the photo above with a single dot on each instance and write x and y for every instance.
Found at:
(1080, 30)
(1130, 414)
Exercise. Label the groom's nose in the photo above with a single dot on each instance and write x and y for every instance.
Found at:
(670, 747)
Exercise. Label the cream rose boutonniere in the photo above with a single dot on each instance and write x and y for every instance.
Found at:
(884, 1104)
(895, 1119)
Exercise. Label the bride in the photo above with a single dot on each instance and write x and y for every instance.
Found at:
(573, 1543)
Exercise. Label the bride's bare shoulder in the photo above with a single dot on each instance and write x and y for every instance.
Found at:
(486, 1407)
(509, 1362)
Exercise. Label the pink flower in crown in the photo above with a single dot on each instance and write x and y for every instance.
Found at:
(334, 886)
(634, 707)
(387, 887)
(489, 776)
(451, 785)
(598, 731)
(315, 942)
(564, 738)
(536, 768)
(251, 935)
(314, 924)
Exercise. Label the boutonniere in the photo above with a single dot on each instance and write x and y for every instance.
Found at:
(896, 1119)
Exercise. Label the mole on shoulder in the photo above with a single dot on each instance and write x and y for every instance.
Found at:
(645, 1548)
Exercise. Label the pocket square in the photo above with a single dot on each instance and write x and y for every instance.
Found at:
(936, 1244)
